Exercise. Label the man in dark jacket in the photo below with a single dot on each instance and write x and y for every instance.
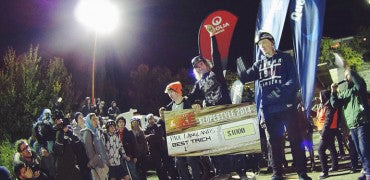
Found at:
(278, 85)
(129, 144)
(154, 136)
(66, 158)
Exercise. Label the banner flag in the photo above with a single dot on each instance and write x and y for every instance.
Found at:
(224, 23)
(215, 130)
(307, 18)
(270, 18)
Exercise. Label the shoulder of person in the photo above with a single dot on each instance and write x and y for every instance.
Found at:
(169, 106)
(85, 130)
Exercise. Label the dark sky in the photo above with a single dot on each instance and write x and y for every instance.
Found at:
(154, 32)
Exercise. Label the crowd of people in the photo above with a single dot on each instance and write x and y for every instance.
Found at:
(96, 144)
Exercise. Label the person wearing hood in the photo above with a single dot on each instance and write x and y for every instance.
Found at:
(327, 123)
(92, 138)
(43, 130)
(353, 99)
(65, 154)
(78, 124)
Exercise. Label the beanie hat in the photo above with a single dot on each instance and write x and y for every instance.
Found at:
(265, 35)
(175, 86)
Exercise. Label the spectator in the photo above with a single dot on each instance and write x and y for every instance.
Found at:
(327, 118)
(154, 134)
(278, 84)
(43, 130)
(161, 123)
(115, 152)
(113, 111)
(101, 109)
(142, 147)
(353, 99)
(4, 173)
(87, 107)
(78, 124)
(66, 158)
(92, 138)
(127, 138)
(31, 159)
(22, 172)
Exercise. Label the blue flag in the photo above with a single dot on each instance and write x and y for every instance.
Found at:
(307, 18)
(270, 18)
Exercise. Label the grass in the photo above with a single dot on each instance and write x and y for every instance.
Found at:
(7, 151)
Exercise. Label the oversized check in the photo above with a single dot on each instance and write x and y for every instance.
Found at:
(216, 130)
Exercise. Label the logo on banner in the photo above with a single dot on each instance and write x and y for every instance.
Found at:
(216, 20)
(298, 12)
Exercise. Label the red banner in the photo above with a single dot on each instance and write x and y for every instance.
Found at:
(224, 23)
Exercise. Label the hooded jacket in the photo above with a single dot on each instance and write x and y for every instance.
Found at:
(92, 138)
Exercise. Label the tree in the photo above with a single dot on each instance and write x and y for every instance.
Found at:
(351, 57)
(326, 54)
(347, 50)
(146, 90)
(26, 88)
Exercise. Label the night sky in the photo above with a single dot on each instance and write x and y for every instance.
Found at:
(159, 32)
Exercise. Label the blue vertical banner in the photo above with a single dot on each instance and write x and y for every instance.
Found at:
(307, 19)
(270, 18)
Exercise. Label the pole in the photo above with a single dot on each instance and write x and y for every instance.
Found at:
(93, 71)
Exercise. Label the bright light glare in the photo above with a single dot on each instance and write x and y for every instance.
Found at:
(100, 15)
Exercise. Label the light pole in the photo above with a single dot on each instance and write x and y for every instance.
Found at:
(102, 17)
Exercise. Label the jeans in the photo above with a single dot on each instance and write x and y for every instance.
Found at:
(353, 154)
(182, 167)
(338, 135)
(327, 142)
(360, 136)
(275, 126)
